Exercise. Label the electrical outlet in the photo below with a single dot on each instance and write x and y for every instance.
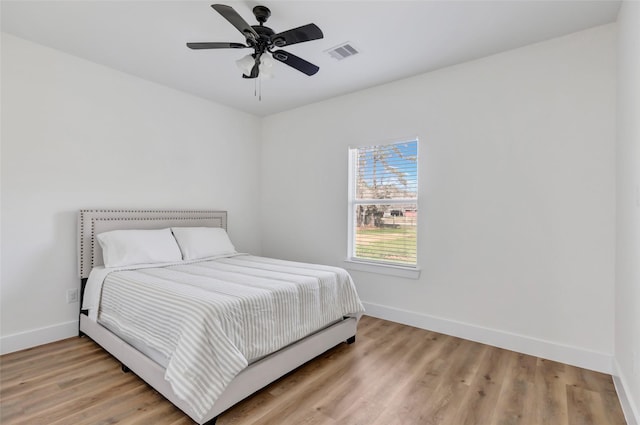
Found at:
(72, 296)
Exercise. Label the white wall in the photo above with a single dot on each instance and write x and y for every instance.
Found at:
(627, 301)
(78, 135)
(517, 187)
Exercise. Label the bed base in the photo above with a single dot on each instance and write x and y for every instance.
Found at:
(255, 377)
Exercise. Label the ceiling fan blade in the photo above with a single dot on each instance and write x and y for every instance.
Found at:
(236, 20)
(295, 62)
(297, 35)
(216, 45)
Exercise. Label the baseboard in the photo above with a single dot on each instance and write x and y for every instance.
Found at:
(35, 337)
(600, 362)
(630, 409)
(587, 359)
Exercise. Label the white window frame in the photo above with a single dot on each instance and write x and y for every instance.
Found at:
(373, 266)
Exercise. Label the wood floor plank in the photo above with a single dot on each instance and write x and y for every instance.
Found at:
(484, 391)
(584, 406)
(393, 375)
(551, 395)
(347, 392)
(127, 405)
(612, 410)
(453, 376)
(514, 406)
(415, 392)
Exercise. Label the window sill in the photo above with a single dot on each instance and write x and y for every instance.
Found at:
(386, 269)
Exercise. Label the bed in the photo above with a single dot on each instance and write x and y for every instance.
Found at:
(209, 386)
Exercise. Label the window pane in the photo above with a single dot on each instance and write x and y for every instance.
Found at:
(386, 232)
(387, 171)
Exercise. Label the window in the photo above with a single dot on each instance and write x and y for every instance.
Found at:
(383, 204)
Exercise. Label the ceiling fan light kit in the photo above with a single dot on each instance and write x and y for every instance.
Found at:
(246, 64)
(263, 40)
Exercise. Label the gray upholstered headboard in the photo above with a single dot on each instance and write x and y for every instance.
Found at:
(94, 222)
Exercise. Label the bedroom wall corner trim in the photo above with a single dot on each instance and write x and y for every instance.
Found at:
(575, 356)
(630, 410)
(32, 338)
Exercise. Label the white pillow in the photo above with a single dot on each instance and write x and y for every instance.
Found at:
(203, 242)
(127, 247)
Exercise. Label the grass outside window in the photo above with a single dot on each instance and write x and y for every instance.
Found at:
(393, 244)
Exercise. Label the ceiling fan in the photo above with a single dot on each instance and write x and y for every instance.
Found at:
(262, 40)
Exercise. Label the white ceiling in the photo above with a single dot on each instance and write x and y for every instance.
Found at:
(397, 39)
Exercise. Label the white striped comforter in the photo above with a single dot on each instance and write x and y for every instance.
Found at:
(210, 319)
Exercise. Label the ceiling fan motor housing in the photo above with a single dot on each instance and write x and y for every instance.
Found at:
(264, 40)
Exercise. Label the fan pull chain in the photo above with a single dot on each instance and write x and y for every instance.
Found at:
(257, 88)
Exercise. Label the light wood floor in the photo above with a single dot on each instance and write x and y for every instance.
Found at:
(393, 374)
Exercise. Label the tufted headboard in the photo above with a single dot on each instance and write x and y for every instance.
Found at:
(94, 222)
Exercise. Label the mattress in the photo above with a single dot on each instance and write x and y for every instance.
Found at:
(206, 321)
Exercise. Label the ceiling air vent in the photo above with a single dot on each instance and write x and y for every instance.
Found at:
(342, 51)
